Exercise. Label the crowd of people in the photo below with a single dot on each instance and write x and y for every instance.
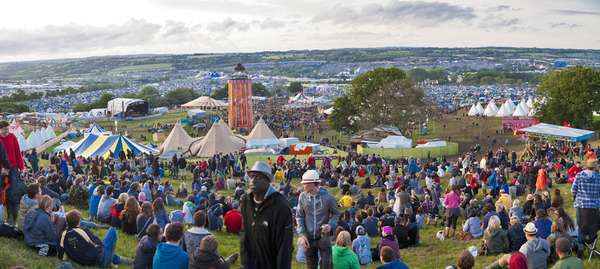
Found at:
(336, 211)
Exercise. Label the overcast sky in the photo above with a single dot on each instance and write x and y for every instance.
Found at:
(40, 29)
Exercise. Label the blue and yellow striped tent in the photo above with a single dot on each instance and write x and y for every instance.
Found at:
(101, 145)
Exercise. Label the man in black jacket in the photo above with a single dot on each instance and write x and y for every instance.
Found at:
(267, 239)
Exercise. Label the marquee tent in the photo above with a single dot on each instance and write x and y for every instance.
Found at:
(557, 132)
(219, 139)
(204, 102)
(261, 137)
(64, 146)
(328, 111)
(101, 145)
(96, 130)
(178, 142)
(491, 109)
(299, 98)
(394, 142)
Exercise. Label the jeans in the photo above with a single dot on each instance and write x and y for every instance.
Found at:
(12, 210)
(316, 248)
(110, 242)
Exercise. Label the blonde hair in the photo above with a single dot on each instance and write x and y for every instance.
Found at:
(494, 223)
(343, 239)
(516, 203)
(123, 198)
(45, 203)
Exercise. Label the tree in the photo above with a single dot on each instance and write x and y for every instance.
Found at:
(258, 89)
(382, 96)
(344, 114)
(221, 93)
(365, 84)
(180, 96)
(571, 95)
(295, 87)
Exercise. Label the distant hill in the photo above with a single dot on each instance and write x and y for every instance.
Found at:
(292, 63)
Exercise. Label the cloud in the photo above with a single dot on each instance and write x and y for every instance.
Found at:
(134, 35)
(398, 12)
(54, 38)
(270, 24)
(577, 12)
(565, 25)
(230, 25)
(499, 8)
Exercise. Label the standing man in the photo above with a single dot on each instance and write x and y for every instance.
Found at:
(267, 239)
(11, 168)
(586, 199)
(317, 215)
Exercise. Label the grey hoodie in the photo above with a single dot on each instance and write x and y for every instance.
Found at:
(24, 207)
(537, 252)
(314, 211)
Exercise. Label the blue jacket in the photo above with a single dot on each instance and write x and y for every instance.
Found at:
(371, 226)
(544, 227)
(169, 256)
(38, 229)
(473, 227)
(396, 264)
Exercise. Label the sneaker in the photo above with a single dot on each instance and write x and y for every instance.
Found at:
(232, 258)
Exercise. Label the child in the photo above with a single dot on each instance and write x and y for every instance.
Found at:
(188, 210)
(362, 246)
(147, 247)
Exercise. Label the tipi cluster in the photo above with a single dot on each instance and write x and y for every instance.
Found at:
(507, 109)
(35, 139)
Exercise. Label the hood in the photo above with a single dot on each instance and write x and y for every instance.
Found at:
(198, 231)
(167, 252)
(203, 257)
(496, 233)
(338, 251)
(28, 201)
(323, 191)
(147, 245)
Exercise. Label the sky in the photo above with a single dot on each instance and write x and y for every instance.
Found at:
(41, 29)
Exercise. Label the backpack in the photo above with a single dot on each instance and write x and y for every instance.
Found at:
(82, 246)
(364, 252)
(9, 231)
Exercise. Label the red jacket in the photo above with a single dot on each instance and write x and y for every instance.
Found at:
(233, 221)
(13, 151)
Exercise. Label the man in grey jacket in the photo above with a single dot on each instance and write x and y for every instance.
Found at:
(317, 216)
(535, 249)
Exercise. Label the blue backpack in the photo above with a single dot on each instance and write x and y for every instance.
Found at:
(363, 250)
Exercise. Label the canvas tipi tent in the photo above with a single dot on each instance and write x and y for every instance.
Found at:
(262, 137)
(472, 111)
(491, 109)
(479, 108)
(219, 139)
(530, 102)
(178, 142)
(520, 112)
(509, 103)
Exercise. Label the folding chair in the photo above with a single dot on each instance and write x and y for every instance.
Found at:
(590, 242)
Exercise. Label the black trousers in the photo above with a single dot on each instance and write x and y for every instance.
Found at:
(320, 248)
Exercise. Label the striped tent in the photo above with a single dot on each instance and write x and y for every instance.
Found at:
(101, 145)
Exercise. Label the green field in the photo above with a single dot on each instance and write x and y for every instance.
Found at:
(142, 68)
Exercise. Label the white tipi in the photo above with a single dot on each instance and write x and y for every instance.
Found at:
(479, 108)
(472, 111)
(491, 109)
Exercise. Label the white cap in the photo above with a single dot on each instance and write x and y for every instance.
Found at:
(310, 176)
(203, 188)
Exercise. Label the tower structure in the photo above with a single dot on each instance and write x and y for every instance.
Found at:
(239, 105)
